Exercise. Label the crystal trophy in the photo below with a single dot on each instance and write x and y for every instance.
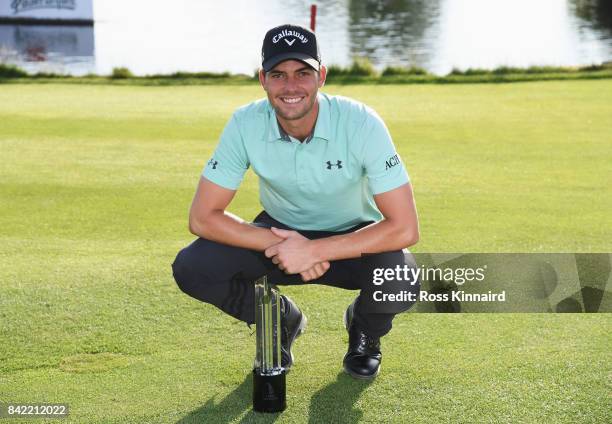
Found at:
(269, 387)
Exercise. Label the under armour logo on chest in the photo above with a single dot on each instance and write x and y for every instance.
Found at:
(338, 164)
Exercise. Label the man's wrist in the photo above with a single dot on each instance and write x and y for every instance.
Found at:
(319, 247)
(267, 238)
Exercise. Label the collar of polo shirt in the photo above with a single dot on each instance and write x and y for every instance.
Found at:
(321, 128)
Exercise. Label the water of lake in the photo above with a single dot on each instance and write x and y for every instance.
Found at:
(194, 35)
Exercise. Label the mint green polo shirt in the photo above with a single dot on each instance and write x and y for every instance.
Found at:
(327, 182)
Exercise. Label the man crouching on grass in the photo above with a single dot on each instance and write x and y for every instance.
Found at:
(336, 198)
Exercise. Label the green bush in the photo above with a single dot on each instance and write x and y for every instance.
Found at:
(360, 72)
(548, 70)
(476, 71)
(470, 71)
(361, 67)
(505, 70)
(508, 70)
(11, 71)
(183, 75)
(121, 73)
(602, 67)
(399, 70)
(51, 75)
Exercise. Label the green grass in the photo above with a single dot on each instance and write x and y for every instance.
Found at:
(95, 185)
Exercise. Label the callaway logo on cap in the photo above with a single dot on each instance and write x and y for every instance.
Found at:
(290, 42)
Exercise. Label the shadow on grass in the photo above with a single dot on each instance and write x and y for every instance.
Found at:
(230, 408)
(335, 402)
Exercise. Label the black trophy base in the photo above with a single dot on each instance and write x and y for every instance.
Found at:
(269, 392)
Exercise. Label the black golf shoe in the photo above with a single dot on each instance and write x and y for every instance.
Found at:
(293, 324)
(363, 357)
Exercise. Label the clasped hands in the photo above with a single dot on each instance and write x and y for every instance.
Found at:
(296, 255)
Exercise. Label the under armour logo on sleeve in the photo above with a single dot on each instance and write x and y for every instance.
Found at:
(213, 163)
(338, 164)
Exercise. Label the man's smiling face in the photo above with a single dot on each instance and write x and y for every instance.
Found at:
(292, 88)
